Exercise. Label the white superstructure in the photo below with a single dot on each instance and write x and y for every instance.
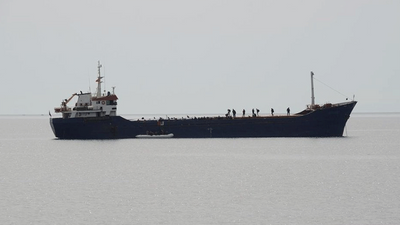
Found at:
(88, 105)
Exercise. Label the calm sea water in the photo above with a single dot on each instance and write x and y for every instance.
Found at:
(349, 180)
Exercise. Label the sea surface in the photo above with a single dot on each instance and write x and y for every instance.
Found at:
(349, 180)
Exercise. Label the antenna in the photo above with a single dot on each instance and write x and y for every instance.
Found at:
(104, 72)
(98, 81)
(312, 90)
(90, 90)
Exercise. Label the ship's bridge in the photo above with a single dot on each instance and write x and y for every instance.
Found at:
(110, 99)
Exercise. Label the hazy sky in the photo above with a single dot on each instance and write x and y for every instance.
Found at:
(203, 56)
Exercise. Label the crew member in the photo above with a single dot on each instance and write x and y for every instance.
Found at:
(228, 114)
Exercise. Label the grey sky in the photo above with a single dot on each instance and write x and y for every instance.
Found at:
(183, 56)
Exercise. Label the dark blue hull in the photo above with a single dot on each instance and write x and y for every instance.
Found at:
(324, 122)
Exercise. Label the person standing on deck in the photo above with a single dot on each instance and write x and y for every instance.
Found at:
(272, 111)
(288, 111)
(244, 112)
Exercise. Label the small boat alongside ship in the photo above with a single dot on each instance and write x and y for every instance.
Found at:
(94, 116)
(155, 136)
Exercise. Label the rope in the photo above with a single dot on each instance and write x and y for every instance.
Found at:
(331, 88)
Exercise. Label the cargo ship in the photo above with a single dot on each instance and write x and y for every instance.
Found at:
(94, 116)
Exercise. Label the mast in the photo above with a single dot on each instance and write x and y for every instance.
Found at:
(312, 90)
(98, 94)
